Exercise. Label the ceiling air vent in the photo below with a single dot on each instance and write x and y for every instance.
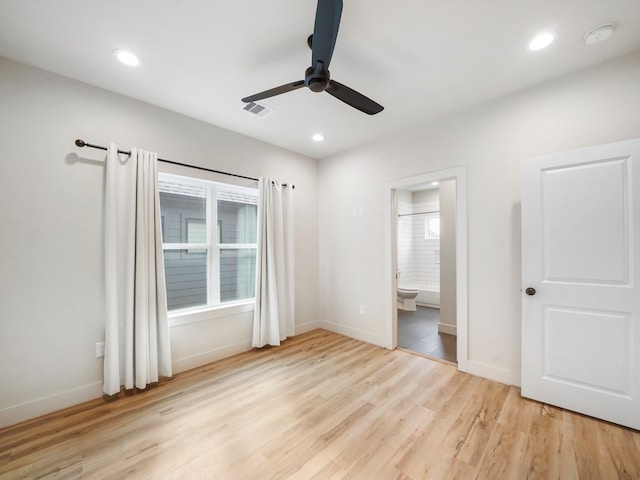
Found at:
(257, 109)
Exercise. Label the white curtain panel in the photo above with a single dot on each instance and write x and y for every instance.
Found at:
(137, 350)
(274, 315)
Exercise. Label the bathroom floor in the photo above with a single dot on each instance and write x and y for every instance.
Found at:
(418, 331)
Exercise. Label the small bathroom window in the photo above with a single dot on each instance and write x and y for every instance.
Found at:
(432, 227)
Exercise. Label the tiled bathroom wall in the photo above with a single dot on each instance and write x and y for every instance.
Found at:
(405, 239)
(418, 257)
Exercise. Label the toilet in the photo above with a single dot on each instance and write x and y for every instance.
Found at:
(407, 299)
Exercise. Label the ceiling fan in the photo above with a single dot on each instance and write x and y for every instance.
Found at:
(316, 77)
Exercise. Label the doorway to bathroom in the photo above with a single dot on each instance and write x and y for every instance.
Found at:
(427, 265)
(425, 224)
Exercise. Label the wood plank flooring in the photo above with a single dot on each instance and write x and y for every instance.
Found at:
(322, 406)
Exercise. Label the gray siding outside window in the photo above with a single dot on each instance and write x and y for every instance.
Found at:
(186, 278)
(186, 270)
(237, 222)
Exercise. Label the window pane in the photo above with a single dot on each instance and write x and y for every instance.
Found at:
(186, 278)
(196, 233)
(237, 274)
(237, 217)
(196, 230)
(184, 212)
(432, 227)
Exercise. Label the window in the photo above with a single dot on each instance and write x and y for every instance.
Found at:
(209, 241)
(432, 227)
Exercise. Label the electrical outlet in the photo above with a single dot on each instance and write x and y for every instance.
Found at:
(361, 309)
(99, 349)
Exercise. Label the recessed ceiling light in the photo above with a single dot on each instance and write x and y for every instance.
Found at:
(542, 41)
(435, 183)
(127, 58)
(318, 137)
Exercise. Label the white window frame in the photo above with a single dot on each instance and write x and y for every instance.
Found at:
(212, 245)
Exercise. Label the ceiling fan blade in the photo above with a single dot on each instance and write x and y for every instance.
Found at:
(274, 91)
(353, 98)
(325, 31)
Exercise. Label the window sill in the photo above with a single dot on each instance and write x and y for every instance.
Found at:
(200, 314)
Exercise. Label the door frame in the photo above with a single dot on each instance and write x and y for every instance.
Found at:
(459, 174)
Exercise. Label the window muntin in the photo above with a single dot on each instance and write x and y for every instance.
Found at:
(209, 242)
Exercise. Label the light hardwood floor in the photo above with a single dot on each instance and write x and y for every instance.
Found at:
(322, 406)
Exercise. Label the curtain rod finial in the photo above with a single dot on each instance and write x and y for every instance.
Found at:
(80, 143)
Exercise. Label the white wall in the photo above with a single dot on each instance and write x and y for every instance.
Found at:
(51, 213)
(595, 106)
(430, 195)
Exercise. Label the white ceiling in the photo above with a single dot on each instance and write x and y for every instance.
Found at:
(420, 59)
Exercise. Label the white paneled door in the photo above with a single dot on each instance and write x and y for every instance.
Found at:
(580, 270)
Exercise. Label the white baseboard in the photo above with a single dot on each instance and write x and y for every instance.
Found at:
(430, 305)
(187, 363)
(446, 328)
(52, 403)
(307, 327)
(356, 333)
(491, 372)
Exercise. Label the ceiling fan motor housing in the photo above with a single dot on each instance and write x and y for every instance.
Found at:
(317, 78)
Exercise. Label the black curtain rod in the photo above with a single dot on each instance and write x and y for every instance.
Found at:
(82, 143)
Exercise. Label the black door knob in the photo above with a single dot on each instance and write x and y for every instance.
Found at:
(530, 291)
